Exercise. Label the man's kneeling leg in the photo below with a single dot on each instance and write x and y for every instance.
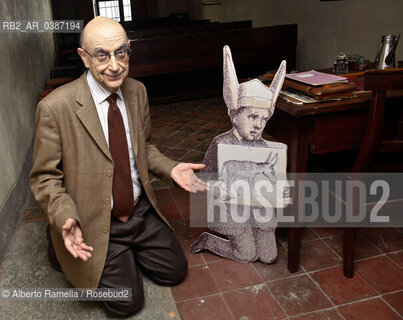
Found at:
(120, 271)
(159, 253)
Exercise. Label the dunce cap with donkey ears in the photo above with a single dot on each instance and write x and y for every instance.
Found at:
(252, 93)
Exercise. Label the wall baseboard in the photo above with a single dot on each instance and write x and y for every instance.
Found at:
(12, 208)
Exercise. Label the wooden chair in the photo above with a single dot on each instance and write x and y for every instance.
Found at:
(375, 142)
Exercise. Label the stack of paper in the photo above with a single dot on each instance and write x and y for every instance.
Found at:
(316, 86)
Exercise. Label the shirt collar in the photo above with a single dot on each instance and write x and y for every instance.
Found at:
(99, 93)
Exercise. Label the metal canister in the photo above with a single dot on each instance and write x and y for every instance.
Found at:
(385, 58)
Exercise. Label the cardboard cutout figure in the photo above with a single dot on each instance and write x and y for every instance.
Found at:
(242, 155)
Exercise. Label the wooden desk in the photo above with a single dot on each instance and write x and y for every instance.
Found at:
(320, 128)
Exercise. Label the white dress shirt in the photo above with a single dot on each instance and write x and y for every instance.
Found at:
(100, 94)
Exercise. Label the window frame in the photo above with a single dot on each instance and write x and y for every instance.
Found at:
(121, 11)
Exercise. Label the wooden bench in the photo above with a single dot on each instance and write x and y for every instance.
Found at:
(180, 65)
(160, 23)
(186, 29)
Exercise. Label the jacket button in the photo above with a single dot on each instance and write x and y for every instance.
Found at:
(109, 172)
(107, 201)
(105, 229)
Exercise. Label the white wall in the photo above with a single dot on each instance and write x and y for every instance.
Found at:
(26, 60)
(324, 28)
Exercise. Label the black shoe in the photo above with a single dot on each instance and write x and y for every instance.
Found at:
(51, 252)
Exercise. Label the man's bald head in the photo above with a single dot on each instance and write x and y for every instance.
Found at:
(99, 24)
(104, 49)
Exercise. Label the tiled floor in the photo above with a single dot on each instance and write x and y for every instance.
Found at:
(216, 288)
(220, 289)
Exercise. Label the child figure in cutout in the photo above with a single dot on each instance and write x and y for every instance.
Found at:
(250, 105)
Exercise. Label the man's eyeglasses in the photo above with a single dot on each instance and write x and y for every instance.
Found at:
(103, 57)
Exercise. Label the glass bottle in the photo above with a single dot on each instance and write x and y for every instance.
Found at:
(340, 64)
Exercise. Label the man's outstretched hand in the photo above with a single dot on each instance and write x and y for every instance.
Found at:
(73, 240)
(184, 176)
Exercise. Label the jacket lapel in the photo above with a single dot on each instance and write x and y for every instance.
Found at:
(88, 115)
(132, 114)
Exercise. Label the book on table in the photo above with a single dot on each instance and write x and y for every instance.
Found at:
(315, 78)
(314, 86)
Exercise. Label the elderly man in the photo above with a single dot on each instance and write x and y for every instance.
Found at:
(92, 159)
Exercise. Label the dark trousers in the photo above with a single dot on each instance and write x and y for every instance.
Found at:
(143, 244)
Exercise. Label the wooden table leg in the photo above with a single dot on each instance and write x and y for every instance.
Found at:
(349, 235)
(298, 163)
(296, 132)
(294, 246)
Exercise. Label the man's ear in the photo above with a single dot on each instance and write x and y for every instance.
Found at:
(83, 57)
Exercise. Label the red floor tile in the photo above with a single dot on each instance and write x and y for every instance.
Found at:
(173, 128)
(180, 194)
(373, 309)
(298, 295)
(321, 315)
(170, 118)
(181, 230)
(397, 257)
(386, 239)
(164, 196)
(232, 275)
(277, 269)
(395, 300)
(195, 209)
(219, 124)
(193, 259)
(324, 232)
(196, 231)
(171, 211)
(382, 274)
(184, 207)
(166, 141)
(254, 303)
(193, 156)
(340, 289)
(363, 248)
(198, 282)
(316, 255)
(187, 144)
(308, 234)
(206, 308)
(175, 153)
(211, 257)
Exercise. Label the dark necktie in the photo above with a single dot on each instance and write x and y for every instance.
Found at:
(122, 185)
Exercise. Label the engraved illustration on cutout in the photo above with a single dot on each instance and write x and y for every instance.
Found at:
(243, 160)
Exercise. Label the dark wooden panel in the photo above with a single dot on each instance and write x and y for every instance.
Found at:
(193, 62)
(263, 48)
(186, 29)
(159, 22)
(339, 132)
(345, 131)
(83, 11)
(383, 79)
